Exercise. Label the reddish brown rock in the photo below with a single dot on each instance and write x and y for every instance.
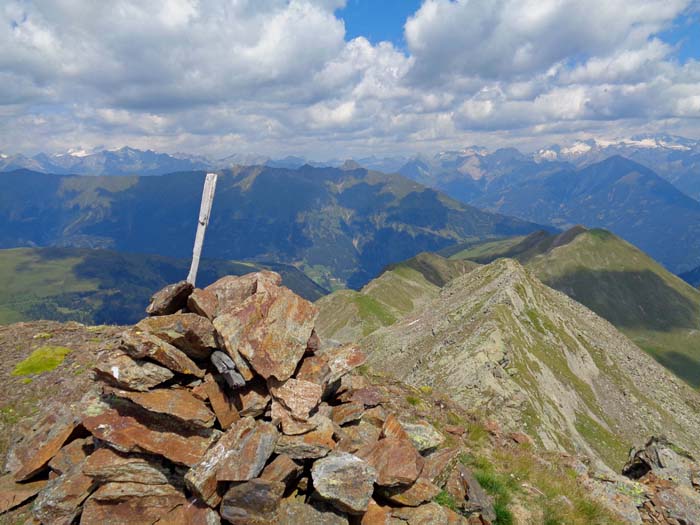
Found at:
(241, 453)
(354, 437)
(439, 464)
(315, 369)
(416, 494)
(231, 291)
(254, 502)
(106, 465)
(429, 514)
(347, 413)
(455, 430)
(197, 513)
(13, 494)
(224, 407)
(282, 469)
(376, 515)
(253, 399)
(72, 454)
(247, 456)
(344, 359)
(462, 484)
(520, 438)
(46, 440)
(290, 426)
(270, 330)
(59, 502)
(191, 333)
(297, 396)
(125, 372)
(368, 396)
(126, 433)
(314, 343)
(393, 428)
(203, 302)
(227, 336)
(141, 345)
(169, 299)
(125, 490)
(314, 444)
(376, 416)
(396, 460)
(295, 512)
(178, 403)
(136, 511)
(345, 481)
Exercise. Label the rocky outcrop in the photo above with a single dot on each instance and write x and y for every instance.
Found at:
(224, 406)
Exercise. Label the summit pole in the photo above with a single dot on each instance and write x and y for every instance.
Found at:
(204, 213)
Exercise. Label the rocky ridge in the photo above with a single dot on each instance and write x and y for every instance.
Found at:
(499, 341)
(223, 404)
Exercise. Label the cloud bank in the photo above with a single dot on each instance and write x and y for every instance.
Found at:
(279, 77)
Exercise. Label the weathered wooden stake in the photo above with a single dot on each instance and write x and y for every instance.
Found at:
(204, 213)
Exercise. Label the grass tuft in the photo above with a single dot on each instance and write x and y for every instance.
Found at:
(41, 360)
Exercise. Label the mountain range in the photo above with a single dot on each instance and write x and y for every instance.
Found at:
(340, 226)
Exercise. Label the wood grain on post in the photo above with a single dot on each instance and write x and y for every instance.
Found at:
(204, 213)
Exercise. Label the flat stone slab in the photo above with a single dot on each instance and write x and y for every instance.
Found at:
(59, 502)
(270, 330)
(126, 433)
(241, 453)
(396, 460)
(255, 502)
(176, 402)
(141, 345)
(345, 481)
(125, 372)
(47, 438)
(106, 465)
(169, 299)
(13, 494)
(135, 511)
(298, 396)
(191, 333)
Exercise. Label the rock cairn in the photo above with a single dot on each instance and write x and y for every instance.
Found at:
(222, 405)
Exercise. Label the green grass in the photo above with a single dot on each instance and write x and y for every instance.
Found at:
(41, 360)
(446, 499)
(369, 307)
(413, 400)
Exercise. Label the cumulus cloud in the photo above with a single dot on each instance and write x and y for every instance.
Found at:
(280, 76)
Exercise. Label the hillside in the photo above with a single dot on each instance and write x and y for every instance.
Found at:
(653, 307)
(500, 342)
(348, 315)
(341, 226)
(105, 287)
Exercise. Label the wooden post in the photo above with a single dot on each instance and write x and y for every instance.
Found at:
(204, 213)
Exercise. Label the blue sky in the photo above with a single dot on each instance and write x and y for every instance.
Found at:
(344, 78)
(378, 20)
(685, 33)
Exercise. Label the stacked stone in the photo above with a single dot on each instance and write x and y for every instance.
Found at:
(223, 405)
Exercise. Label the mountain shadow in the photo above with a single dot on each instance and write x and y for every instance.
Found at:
(630, 299)
(685, 367)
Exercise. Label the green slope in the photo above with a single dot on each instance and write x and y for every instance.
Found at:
(656, 309)
(501, 343)
(104, 287)
(347, 315)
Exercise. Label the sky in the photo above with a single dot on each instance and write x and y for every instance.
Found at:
(343, 78)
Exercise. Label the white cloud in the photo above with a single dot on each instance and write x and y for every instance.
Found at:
(279, 77)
